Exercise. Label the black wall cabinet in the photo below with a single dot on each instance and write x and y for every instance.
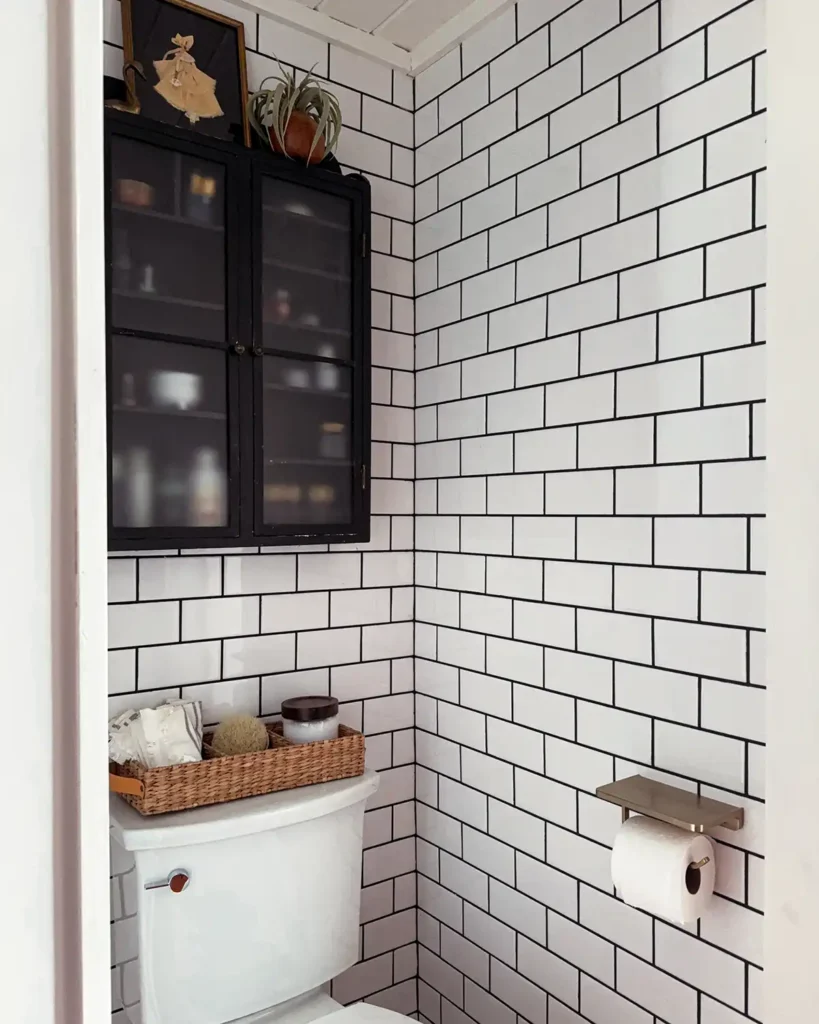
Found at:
(239, 345)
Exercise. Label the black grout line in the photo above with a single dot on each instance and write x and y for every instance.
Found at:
(615, 947)
(639, 165)
(738, 351)
(626, 712)
(703, 247)
(658, 105)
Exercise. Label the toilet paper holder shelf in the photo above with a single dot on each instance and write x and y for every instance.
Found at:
(668, 803)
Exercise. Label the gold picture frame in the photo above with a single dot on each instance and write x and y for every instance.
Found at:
(148, 31)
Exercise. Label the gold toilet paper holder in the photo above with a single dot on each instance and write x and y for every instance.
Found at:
(678, 807)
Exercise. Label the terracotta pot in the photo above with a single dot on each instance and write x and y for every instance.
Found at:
(298, 137)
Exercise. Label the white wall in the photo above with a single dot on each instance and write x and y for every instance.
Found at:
(792, 905)
(55, 800)
(590, 495)
(25, 650)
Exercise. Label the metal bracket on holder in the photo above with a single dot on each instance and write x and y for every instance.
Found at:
(668, 803)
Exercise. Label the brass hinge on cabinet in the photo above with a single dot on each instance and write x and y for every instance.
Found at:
(364, 477)
(364, 245)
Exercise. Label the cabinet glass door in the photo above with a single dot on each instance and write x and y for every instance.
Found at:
(308, 373)
(167, 241)
(169, 439)
(172, 439)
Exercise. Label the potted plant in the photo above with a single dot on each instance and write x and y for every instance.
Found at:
(302, 119)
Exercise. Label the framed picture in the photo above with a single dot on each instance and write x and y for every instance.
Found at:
(185, 66)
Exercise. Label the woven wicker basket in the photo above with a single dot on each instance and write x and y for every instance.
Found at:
(216, 779)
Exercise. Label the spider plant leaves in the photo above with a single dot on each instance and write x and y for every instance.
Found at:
(334, 123)
(321, 124)
(270, 109)
(276, 121)
(310, 97)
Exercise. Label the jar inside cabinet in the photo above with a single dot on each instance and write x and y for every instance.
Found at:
(168, 435)
(167, 242)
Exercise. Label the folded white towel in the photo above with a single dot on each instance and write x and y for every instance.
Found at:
(168, 734)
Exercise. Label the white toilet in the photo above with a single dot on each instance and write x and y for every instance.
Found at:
(247, 909)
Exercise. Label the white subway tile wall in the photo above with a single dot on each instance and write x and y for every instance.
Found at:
(593, 498)
(243, 631)
(586, 533)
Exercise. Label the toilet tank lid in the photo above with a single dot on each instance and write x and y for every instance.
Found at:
(133, 831)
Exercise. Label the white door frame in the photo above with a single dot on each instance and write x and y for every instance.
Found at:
(792, 843)
(54, 902)
(55, 49)
(90, 421)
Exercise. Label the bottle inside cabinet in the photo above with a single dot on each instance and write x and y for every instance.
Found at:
(169, 435)
(306, 443)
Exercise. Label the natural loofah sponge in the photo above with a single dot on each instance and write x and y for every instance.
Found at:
(240, 734)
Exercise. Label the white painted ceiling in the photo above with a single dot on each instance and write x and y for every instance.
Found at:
(406, 23)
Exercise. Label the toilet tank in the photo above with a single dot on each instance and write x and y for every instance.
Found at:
(271, 908)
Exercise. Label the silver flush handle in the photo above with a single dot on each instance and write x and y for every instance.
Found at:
(177, 881)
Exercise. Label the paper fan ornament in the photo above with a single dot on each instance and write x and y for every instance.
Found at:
(183, 85)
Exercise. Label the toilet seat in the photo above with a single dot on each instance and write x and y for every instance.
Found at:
(365, 1013)
(318, 1008)
(315, 1007)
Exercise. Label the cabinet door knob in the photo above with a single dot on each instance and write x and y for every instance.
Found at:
(239, 349)
(258, 351)
(177, 881)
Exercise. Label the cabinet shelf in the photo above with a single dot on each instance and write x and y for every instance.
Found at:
(310, 271)
(151, 297)
(169, 218)
(317, 392)
(305, 218)
(309, 462)
(189, 414)
(294, 325)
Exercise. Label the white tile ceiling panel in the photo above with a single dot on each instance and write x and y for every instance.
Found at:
(403, 22)
(406, 34)
(364, 14)
(419, 19)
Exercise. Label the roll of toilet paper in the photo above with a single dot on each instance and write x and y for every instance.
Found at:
(652, 868)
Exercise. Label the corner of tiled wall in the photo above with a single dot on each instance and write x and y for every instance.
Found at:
(242, 630)
(590, 554)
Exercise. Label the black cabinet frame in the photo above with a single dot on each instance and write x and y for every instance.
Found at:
(244, 171)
